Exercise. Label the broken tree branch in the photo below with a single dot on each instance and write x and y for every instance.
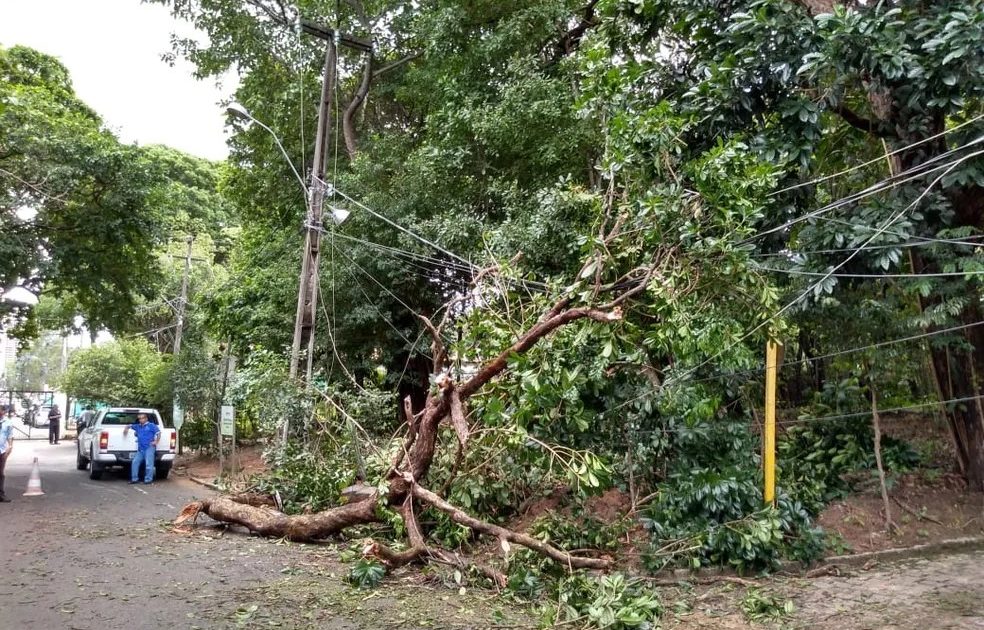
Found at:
(269, 522)
(437, 346)
(458, 418)
(458, 516)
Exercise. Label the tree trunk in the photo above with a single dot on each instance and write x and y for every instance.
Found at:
(957, 372)
(876, 425)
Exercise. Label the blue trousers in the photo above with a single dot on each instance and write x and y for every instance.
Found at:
(145, 455)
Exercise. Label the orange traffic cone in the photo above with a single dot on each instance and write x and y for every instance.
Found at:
(34, 483)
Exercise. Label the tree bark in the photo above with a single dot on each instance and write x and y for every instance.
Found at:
(266, 521)
(348, 119)
(957, 372)
(876, 425)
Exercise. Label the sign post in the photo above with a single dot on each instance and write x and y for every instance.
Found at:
(227, 428)
(177, 418)
(772, 349)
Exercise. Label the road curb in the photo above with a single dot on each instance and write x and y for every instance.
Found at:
(207, 484)
(792, 567)
(902, 553)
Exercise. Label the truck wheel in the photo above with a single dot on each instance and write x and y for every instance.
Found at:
(81, 463)
(95, 470)
(161, 471)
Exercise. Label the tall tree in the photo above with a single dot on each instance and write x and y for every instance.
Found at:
(74, 211)
(815, 88)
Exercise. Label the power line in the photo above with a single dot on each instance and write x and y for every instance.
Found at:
(331, 338)
(381, 285)
(892, 181)
(369, 300)
(400, 227)
(806, 420)
(881, 344)
(813, 286)
(834, 269)
(926, 239)
(435, 263)
(758, 369)
(908, 147)
(941, 274)
(920, 243)
(892, 410)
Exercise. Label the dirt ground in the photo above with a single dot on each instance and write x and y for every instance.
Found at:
(925, 593)
(928, 505)
(205, 467)
(931, 514)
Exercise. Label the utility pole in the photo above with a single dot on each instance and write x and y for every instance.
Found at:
(307, 293)
(184, 297)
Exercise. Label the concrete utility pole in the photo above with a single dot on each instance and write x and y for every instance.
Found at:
(184, 298)
(307, 293)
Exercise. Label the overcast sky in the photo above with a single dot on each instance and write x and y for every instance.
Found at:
(113, 48)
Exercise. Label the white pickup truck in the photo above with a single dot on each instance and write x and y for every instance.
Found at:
(102, 443)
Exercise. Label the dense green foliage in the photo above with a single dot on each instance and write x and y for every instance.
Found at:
(715, 136)
(124, 372)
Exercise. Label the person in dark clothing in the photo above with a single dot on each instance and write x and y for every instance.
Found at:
(54, 424)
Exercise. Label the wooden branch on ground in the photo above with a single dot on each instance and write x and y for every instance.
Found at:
(269, 522)
(710, 579)
(546, 549)
(920, 516)
(420, 551)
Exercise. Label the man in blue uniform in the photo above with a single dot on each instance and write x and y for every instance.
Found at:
(148, 435)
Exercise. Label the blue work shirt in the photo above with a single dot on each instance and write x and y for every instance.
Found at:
(145, 433)
(6, 433)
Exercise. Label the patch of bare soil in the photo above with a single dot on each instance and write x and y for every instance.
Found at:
(924, 513)
(929, 505)
(205, 466)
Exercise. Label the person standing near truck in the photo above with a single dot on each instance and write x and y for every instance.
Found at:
(54, 424)
(148, 435)
(6, 444)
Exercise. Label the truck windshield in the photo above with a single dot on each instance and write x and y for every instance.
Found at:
(125, 417)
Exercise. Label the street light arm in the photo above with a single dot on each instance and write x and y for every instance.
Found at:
(239, 112)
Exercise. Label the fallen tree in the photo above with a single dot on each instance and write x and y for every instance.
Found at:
(404, 488)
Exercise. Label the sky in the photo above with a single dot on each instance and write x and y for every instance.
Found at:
(112, 49)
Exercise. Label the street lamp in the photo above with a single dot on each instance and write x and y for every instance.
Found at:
(238, 111)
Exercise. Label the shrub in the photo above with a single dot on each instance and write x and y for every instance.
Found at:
(715, 517)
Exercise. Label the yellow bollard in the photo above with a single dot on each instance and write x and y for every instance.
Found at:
(769, 434)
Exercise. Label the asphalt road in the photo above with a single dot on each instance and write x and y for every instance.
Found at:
(99, 554)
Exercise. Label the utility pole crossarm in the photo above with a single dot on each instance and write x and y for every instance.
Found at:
(326, 33)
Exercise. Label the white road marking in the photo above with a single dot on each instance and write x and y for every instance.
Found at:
(141, 490)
